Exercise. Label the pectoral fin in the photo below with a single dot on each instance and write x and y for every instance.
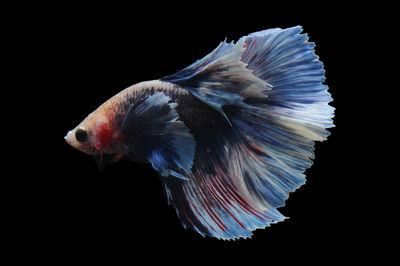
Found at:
(152, 130)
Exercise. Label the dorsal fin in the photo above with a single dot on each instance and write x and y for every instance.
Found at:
(221, 78)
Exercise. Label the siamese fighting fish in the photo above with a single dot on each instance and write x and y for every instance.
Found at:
(230, 135)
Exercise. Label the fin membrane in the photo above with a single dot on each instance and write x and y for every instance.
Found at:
(152, 131)
(269, 86)
(212, 204)
(220, 78)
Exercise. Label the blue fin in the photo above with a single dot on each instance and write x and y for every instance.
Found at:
(285, 59)
(220, 78)
(212, 204)
(278, 132)
(214, 201)
(245, 170)
(152, 132)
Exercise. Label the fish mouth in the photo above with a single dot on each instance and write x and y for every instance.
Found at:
(68, 137)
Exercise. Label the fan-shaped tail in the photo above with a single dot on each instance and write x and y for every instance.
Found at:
(270, 105)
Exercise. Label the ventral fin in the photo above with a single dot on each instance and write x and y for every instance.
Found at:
(103, 160)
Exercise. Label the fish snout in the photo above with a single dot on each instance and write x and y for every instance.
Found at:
(69, 138)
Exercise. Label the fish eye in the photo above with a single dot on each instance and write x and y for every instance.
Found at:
(81, 135)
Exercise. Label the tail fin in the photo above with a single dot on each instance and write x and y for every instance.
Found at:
(279, 132)
(269, 87)
(286, 60)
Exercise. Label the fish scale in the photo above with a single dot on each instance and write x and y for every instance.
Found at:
(230, 135)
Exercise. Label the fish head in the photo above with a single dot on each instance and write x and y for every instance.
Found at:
(82, 137)
(93, 136)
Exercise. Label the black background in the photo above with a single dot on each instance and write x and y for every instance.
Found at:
(83, 55)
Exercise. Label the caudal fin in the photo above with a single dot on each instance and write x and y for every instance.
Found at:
(269, 87)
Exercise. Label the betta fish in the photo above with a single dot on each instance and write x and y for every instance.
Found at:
(230, 135)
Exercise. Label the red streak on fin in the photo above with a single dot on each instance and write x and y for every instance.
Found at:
(187, 191)
(222, 203)
(241, 202)
(208, 208)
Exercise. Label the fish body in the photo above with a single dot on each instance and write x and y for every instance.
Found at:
(231, 135)
(103, 125)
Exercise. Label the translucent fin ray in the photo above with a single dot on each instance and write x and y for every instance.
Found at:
(220, 78)
(152, 131)
(245, 169)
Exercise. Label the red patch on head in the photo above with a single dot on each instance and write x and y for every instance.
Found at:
(104, 134)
